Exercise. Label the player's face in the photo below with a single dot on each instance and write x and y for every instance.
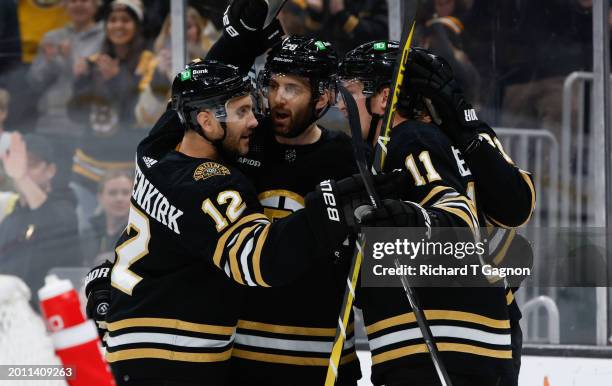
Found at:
(355, 87)
(290, 101)
(240, 124)
(115, 197)
(120, 27)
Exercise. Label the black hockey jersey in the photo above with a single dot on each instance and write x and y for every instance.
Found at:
(285, 335)
(195, 231)
(470, 325)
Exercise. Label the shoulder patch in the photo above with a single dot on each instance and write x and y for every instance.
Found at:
(210, 169)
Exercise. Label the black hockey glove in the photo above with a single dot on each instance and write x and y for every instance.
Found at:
(433, 78)
(244, 17)
(330, 208)
(395, 213)
(97, 290)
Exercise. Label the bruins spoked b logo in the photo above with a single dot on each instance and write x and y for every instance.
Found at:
(280, 203)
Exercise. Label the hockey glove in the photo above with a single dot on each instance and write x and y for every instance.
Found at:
(395, 213)
(245, 17)
(97, 290)
(433, 78)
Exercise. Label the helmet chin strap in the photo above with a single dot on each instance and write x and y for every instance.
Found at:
(373, 122)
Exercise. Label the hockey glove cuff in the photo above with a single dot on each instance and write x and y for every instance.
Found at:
(97, 290)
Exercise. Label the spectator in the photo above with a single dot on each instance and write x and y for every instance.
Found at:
(114, 194)
(30, 20)
(106, 91)
(51, 73)
(154, 13)
(39, 233)
(35, 19)
(293, 17)
(200, 35)
(444, 8)
(347, 23)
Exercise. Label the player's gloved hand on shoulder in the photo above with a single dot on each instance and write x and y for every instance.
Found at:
(97, 290)
(394, 213)
(432, 77)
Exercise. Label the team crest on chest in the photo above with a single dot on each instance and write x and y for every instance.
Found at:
(290, 155)
(210, 169)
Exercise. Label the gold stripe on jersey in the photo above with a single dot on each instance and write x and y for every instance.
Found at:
(460, 316)
(462, 199)
(421, 348)
(501, 253)
(78, 169)
(291, 330)
(233, 253)
(171, 323)
(289, 359)
(155, 353)
(509, 297)
(221, 248)
(461, 214)
(435, 191)
(257, 257)
(82, 156)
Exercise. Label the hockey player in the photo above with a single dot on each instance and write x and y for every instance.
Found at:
(285, 335)
(195, 230)
(366, 72)
(294, 152)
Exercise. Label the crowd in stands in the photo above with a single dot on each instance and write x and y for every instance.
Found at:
(82, 80)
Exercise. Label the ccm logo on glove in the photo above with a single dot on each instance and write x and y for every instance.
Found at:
(330, 201)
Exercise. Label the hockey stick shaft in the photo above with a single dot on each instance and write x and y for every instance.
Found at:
(379, 161)
(349, 294)
(367, 178)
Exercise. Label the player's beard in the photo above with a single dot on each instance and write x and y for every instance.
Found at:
(296, 123)
(231, 146)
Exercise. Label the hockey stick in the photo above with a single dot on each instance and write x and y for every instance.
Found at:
(380, 152)
(379, 161)
(274, 7)
(351, 281)
(358, 148)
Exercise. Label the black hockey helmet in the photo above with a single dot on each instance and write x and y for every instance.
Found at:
(307, 57)
(310, 58)
(207, 84)
(371, 63)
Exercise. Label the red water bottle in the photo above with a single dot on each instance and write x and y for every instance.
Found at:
(74, 337)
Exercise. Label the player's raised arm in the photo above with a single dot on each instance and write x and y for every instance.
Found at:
(506, 192)
(244, 35)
